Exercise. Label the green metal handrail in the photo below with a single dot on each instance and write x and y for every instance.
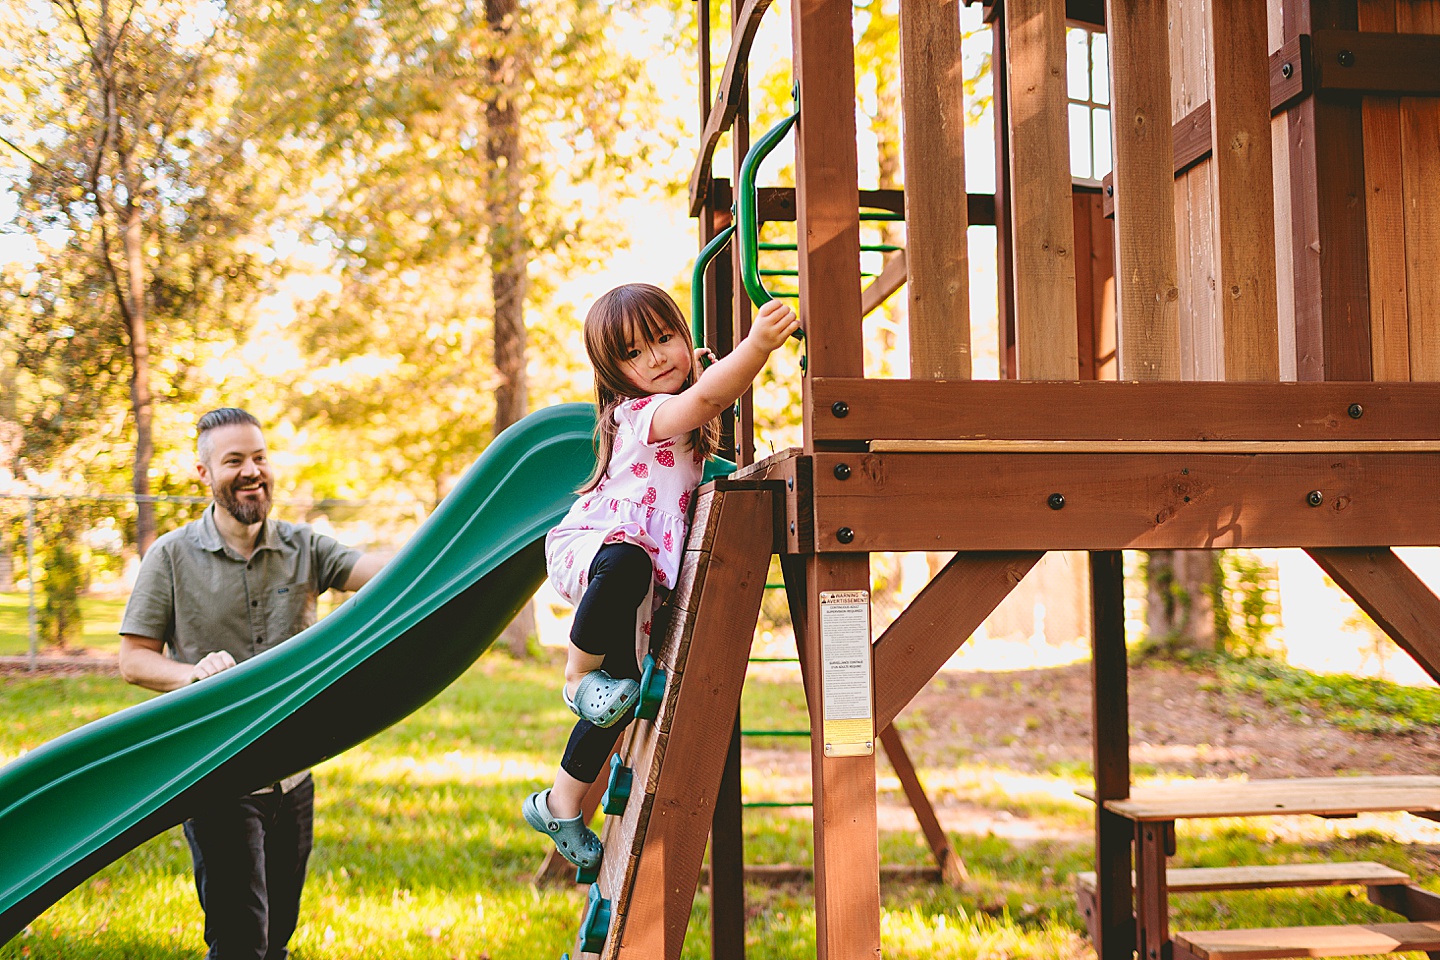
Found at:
(747, 213)
(697, 283)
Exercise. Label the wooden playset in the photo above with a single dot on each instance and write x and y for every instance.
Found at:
(1257, 283)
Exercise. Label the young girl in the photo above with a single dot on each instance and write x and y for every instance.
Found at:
(626, 533)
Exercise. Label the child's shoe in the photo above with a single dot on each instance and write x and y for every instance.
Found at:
(602, 699)
(575, 841)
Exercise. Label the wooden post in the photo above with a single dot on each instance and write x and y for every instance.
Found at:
(1385, 217)
(1244, 200)
(1044, 229)
(936, 205)
(847, 854)
(1114, 921)
(1327, 194)
(1145, 270)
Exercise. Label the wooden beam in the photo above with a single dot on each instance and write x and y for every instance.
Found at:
(1329, 245)
(1420, 164)
(939, 620)
(952, 869)
(727, 98)
(936, 204)
(1398, 601)
(1044, 231)
(1112, 918)
(826, 171)
(1385, 218)
(1035, 501)
(1398, 64)
(846, 844)
(1146, 283)
(892, 277)
(947, 409)
(1244, 199)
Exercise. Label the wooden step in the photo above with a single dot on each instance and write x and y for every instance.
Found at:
(1205, 879)
(1322, 796)
(1336, 941)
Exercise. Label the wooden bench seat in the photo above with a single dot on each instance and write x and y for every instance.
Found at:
(1362, 873)
(1321, 796)
(1332, 941)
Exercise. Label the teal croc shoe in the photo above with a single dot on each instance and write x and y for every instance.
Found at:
(575, 841)
(602, 699)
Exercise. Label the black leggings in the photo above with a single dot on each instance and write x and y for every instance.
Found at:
(619, 579)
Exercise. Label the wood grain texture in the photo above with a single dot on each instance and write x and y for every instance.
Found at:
(936, 204)
(846, 844)
(943, 409)
(654, 849)
(1243, 201)
(1043, 227)
(1319, 796)
(1385, 217)
(1271, 876)
(1398, 601)
(1420, 165)
(1145, 268)
(938, 621)
(1327, 941)
(998, 501)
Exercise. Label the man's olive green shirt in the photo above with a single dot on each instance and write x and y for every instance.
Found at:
(197, 595)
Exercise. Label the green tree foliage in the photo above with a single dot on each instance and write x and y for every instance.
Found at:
(463, 169)
(137, 125)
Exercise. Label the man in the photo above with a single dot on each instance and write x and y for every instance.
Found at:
(217, 591)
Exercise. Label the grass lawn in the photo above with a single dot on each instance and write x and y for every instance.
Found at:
(420, 850)
(101, 621)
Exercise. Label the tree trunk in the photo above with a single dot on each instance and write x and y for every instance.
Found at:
(509, 254)
(1181, 590)
(140, 400)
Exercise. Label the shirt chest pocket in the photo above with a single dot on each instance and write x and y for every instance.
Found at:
(290, 609)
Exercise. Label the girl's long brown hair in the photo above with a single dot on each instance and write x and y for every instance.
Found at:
(618, 317)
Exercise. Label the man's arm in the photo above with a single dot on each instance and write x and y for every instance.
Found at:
(143, 663)
(366, 567)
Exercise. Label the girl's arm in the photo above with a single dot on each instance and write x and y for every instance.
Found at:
(721, 385)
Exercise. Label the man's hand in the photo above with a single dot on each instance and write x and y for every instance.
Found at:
(773, 326)
(212, 664)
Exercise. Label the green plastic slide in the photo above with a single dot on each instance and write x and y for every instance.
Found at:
(83, 800)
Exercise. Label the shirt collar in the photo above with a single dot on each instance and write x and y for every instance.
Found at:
(207, 534)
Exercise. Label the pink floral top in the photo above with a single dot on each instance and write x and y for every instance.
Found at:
(644, 499)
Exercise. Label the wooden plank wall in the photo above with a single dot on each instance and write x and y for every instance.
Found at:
(1402, 205)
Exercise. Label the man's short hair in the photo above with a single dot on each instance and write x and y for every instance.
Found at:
(214, 420)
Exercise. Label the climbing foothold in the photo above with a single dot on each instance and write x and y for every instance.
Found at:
(587, 874)
(596, 925)
(617, 790)
(652, 689)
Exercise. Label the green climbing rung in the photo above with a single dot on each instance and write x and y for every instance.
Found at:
(774, 733)
(652, 689)
(617, 790)
(774, 659)
(596, 925)
(778, 803)
(881, 215)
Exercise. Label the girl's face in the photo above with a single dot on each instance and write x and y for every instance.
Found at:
(659, 364)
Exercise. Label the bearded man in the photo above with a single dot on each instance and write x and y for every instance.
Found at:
(215, 592)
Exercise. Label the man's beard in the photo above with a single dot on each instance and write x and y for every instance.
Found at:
(246, 511)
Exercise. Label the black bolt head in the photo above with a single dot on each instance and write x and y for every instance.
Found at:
(842, 471)
(1315, 498)
(1346, 58)
(840, 409)
(1056, 501)
(1287, 71)
(1356, 411)
(845, 535)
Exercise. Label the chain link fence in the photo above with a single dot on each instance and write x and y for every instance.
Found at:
(68, 561)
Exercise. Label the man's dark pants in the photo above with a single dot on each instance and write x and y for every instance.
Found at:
(250, 860)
